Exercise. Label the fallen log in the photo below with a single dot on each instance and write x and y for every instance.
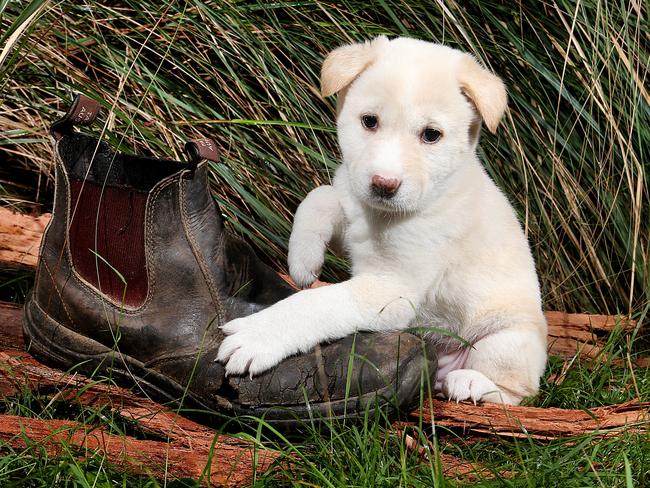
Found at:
(11, 326)
(540, 423)
(586, 334)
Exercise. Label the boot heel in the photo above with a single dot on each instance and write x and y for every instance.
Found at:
(55, 344)
(50, 341)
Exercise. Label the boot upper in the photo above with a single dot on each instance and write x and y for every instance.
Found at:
(136, 259)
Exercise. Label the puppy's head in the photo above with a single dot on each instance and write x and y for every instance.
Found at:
(409, 116)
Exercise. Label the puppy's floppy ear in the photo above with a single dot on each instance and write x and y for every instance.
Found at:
(345, 63)
(485, 90)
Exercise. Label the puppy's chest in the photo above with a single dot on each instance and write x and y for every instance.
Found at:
(416, 253)
(376, 245)
(373, 248)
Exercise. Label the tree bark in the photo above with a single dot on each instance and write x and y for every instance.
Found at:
(542, 423)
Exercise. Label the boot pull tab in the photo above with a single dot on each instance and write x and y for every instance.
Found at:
(200, 149)
(83, 111)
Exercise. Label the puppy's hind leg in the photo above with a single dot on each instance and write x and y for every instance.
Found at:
(318, 219)
(503, 367)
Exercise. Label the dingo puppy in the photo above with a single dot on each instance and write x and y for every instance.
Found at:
(431, 239)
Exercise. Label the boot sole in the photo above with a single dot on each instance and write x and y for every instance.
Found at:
(53, 343)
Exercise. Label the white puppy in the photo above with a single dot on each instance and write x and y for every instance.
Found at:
(432, 241)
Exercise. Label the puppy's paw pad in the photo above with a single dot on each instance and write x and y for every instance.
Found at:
(467, 384)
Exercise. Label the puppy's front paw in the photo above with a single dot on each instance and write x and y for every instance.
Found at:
(468, 384)
(306, 260)
(250, 346)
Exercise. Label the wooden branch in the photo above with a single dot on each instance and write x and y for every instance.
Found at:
(225, 466)
(190, 449)
(20, 238)
(569, 334)
(542, 423)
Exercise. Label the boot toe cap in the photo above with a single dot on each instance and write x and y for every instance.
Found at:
(343, 378)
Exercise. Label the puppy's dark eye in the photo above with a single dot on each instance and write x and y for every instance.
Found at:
(370, 121)
(430, 136)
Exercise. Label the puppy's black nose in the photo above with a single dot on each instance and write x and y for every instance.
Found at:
(384, 187)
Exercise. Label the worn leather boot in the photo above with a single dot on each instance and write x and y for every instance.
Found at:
(136, 274)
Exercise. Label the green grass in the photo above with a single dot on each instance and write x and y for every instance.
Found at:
(571, 156)
(33, 466)
(369, 453)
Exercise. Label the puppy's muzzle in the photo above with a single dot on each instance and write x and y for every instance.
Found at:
(384, 187)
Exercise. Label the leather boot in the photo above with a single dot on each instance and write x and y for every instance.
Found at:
(136, 274)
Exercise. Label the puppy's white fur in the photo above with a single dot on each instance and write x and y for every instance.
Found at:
(445, 251)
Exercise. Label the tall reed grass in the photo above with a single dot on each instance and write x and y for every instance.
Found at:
(571, 155)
